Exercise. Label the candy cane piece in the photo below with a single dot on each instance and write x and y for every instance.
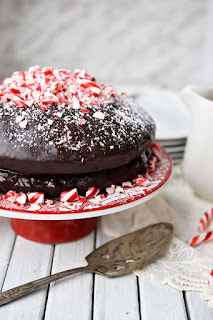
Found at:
(21, 198)
(23, 124)
(70, 195)
(36, 197)
(200, 238)
(205, 220)
(19, 102)
(119, 189)
(143, 182)
(99, 115)
(100, 197)
(110, 190)
(92, 192)
(127, 184)
(11, 196)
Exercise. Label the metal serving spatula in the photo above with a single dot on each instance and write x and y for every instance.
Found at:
(113, 259)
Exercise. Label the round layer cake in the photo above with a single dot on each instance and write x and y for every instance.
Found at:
(60, 130)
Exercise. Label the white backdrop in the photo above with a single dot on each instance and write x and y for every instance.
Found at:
(119, 41)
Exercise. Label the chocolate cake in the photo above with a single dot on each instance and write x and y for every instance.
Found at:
(60, 131)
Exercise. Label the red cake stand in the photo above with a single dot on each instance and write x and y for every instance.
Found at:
(63, 222)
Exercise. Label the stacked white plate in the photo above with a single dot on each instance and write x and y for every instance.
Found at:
(170, 115)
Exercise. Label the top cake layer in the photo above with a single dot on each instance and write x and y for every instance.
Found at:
(54, 122)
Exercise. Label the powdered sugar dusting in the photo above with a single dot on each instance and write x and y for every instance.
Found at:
(71, 134)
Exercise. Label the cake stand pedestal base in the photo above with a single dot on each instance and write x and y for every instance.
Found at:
(53, 231)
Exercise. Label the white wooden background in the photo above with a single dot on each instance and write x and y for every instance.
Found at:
(84, 296)
(166, 43)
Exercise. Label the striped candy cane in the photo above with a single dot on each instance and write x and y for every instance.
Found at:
(200, 238)
(205, 220)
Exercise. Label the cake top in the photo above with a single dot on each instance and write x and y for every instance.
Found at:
(53, 122)
(48, 85)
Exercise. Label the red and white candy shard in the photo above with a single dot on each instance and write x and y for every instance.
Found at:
(127, 184)
(49, 202)
(36, 197)
(99, 115)
(100, 197)
(156, 151)
(23, 124)
(69, 196)
(92, 192)
(110, 190)
(46, 86)
(21, 198)
(11, 196)
(119, 189)
(141, 181)
(19, 119)
(84, 110)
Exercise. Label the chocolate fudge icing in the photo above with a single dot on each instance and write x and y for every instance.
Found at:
(53, 185)
(51, 145)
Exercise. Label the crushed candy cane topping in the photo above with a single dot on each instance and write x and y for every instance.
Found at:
(48, 85)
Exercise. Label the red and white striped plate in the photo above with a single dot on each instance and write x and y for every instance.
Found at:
(76, 210)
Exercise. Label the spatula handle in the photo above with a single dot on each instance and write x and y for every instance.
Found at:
(17, 292)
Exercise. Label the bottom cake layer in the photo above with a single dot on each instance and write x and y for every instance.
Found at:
(53, 185)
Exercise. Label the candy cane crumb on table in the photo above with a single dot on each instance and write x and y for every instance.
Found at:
(204, 236)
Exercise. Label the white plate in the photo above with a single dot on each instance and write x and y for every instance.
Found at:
(167, 109)
(175, 149)
(172, 142)
(177, 155)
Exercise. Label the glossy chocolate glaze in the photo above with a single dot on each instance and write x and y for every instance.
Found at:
(52, 145)
(53, 185)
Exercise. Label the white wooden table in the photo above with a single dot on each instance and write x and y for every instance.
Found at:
(84, 296)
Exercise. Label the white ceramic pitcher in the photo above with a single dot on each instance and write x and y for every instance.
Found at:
(198, 161)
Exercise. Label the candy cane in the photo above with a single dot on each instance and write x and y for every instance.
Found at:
(68, 196)
(205, 220)
(11, 196)
(21, 198)
(92, 192)
(200, 238)
(36, 197)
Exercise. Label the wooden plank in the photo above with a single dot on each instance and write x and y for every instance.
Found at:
(197, 308)
(29, 261)
(7, 238)
(115, 298)
(161, 302)
(71, 298)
